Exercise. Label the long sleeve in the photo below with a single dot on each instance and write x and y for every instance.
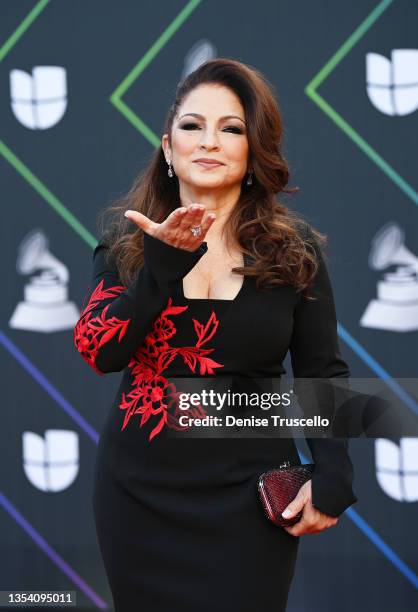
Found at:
(116, 318)
(315, 353)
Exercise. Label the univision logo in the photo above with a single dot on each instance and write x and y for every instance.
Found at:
(397, 468)
(392, 85)
(39, 100)
(51, 463)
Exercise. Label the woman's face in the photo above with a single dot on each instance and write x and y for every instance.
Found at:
(210, 123)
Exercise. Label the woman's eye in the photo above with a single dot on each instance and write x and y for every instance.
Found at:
(236, 130)
(188, 126)
(191, 126)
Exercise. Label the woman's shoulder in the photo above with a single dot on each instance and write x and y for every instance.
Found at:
(107, 240)
(312, 236)
(305, 230)
(103, 255)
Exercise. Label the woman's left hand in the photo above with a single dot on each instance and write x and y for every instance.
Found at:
(313, 520)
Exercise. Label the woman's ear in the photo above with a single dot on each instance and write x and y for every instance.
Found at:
(165, 146)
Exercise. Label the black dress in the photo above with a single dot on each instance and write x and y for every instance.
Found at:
(178, 519)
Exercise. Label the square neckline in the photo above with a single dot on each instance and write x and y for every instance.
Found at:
(247, 261)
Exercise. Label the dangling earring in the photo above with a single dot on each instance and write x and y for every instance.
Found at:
(250, 178)
(170, 171)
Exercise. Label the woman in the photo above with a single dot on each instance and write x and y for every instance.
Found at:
(203, 273)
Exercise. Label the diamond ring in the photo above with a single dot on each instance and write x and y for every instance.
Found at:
(196, 230)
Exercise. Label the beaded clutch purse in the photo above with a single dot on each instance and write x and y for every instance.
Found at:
(278, 487)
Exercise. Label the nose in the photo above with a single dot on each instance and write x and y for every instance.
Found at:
(209, 139)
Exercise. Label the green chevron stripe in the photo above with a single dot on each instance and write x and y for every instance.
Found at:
(325, 72)
(47, 195)
(21, 29)
(139, 68)
(17, 164)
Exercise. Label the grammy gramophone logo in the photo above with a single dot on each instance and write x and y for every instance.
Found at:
(396, 305)
(45, 306)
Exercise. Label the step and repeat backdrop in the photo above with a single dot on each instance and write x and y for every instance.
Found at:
(86, 85)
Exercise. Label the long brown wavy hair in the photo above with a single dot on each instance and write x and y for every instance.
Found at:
(265, 228)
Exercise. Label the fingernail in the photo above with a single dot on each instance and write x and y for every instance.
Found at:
(127, 213)
(286, 513)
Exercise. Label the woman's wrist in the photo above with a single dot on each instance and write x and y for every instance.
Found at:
(168, 263)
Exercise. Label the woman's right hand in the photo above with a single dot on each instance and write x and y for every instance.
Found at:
(175, 230)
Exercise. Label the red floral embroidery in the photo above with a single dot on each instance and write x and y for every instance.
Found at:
(91, 333)
(152, 394)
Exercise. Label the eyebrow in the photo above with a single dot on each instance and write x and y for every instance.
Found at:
(202, 117)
